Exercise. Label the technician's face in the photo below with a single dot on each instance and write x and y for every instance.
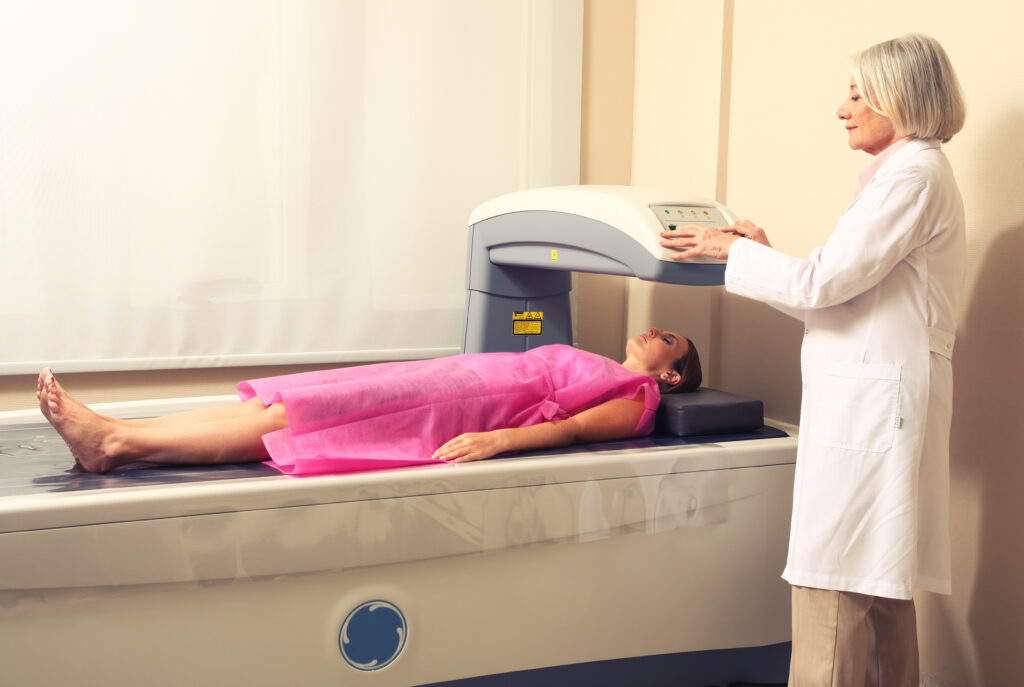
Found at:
(656, 349)
(868, 130)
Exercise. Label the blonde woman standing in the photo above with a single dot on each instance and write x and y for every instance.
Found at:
(879, 302)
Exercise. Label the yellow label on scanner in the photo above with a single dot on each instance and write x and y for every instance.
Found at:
(554, 254)
(527, 323)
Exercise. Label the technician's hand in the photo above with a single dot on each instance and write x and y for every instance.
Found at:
(694, 240)
(471, 446)
(749, 230)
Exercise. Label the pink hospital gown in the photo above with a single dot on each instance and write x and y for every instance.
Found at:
(397, 414)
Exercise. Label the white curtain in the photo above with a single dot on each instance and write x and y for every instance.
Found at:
(234, 182)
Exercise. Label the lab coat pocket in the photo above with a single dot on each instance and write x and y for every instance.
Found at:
(855, 406)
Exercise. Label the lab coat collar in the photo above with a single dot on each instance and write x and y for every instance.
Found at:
(901, 148)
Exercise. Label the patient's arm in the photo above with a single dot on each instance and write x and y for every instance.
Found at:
(615, 419)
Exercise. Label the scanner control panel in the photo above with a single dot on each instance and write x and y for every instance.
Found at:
(673, 216)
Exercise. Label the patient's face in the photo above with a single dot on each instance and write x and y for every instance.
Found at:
(656, 349)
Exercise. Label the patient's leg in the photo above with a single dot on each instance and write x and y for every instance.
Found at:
(216, 414)
(100, 443)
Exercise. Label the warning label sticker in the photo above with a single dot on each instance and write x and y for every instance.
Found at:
(529, 323)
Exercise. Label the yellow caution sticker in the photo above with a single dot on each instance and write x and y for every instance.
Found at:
(554, 254)
(528, 323)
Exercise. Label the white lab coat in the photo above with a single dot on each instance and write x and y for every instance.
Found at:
(879, 302)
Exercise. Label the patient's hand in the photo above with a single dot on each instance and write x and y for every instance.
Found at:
(472, 446)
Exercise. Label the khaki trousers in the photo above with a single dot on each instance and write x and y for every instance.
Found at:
(842, 639)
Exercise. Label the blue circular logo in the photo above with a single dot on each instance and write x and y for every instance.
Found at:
(373, 635)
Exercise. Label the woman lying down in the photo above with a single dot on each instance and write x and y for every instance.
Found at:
(456, 409)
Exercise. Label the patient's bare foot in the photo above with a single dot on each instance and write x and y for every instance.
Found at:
(88, 435)
(41, 392)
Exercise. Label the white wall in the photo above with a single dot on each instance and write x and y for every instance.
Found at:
(366, 129)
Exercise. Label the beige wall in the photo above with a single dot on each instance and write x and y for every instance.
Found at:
(778, 156)
(606, 149)
(678, 76)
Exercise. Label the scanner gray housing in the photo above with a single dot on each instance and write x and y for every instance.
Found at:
(523, 248)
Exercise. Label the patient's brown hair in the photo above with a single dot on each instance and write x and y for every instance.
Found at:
(690, 374)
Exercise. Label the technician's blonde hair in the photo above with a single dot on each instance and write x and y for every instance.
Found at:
(911, 81)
